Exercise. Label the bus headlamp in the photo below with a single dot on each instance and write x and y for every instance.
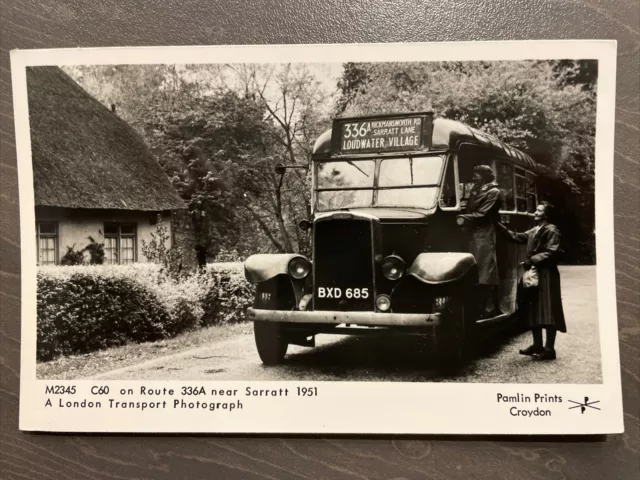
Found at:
(393, 267)
(299, 267)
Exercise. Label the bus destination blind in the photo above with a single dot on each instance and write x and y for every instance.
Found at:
(380, 135)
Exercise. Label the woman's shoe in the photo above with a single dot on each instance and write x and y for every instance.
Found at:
(532, 350)
(547, 354)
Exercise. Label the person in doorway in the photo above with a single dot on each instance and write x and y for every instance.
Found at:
(481, 214)
(542, 304)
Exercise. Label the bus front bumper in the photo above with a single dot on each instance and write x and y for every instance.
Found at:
(381, 319)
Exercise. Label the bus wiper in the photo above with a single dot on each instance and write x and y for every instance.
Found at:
(358, 168)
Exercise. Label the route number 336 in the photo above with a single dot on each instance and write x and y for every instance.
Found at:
(356, 129)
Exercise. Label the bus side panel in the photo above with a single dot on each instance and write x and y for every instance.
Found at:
(445, 235)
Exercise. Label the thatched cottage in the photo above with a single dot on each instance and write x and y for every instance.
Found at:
(93, 174)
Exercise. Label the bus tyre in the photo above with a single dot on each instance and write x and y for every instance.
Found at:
(453, 340)
(271, 342)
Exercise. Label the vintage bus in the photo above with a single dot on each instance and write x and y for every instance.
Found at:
(388, 248)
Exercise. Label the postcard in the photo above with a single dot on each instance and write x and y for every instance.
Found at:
(389, 238)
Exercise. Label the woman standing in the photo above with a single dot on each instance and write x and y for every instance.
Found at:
(541, 304)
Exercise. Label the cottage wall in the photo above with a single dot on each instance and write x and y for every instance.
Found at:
(76, 225)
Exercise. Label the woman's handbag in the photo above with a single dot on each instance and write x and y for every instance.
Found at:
(530, 278)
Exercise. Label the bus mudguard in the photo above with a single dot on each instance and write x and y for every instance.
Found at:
(263, 267)
(437, 268)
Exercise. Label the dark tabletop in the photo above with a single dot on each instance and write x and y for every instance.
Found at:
(73, 23)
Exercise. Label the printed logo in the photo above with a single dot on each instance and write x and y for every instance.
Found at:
(585, 405)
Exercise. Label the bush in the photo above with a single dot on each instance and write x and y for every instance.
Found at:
(72, 257)
(92, 254)
(96, 251)
(157, 251)
(88, 312)
(226, 255)
(229, 294)
(183, 297)
(87, 308)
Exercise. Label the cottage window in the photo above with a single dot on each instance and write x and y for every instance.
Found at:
(47, 241)
(119, 243)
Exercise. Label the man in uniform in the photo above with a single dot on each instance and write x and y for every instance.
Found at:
(480, 215)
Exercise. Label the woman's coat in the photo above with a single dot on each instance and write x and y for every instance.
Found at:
(482, 212)
(543, 303)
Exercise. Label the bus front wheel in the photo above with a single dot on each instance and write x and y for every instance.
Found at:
(453, 340)
(271, 342)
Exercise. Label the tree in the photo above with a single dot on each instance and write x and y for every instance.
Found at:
(353, 81)
(132, 89)
(213, 148)
(297, 107)
(583, 73)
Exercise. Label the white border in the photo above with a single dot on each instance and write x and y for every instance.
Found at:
(343, 407)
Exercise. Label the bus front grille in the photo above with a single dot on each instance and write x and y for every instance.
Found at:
(343, 265)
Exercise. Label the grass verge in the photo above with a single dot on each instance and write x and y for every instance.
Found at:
(94, 363)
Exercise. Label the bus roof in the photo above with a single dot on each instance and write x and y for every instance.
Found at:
(448, 134)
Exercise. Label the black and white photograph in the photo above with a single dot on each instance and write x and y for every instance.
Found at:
(388, 222)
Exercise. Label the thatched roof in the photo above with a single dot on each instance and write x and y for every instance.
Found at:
(85, 156)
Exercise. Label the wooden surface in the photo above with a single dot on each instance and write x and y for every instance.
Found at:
(45, 24)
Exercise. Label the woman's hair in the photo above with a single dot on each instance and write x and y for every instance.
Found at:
(485, 173)
(549, 209)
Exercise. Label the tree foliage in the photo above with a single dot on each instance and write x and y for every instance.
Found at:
(297, 107)
(212, 149)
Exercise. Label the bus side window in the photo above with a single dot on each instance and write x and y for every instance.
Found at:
(531, 193)
(521, 193)
(469, 157)
(504, 179)
(448, 197)
(464, 191)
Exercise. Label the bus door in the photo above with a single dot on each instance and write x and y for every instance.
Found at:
(509, 254)
(519, 201)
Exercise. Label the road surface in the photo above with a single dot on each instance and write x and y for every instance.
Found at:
(398, 358)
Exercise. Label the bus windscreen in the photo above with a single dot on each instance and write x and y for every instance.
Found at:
(400, 182)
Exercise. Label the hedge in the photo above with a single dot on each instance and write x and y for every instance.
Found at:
(87, 308)
(228, 296)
